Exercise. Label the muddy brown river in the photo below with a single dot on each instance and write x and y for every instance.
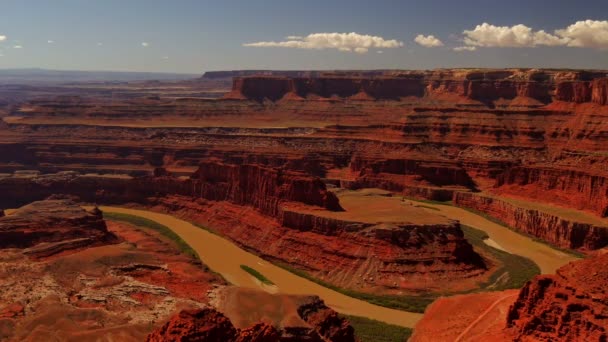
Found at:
(224, 257)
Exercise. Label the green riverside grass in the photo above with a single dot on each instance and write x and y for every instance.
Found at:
(370, 330)
(259, 276)
(518, 269)
(404, 303)
(183, 246)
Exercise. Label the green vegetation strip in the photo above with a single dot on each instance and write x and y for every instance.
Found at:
(517, 268)
(183, 246)
(370, 330)
(259, 276)
(405, 303)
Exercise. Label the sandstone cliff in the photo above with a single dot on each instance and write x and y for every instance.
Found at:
(526, 87)
(59, 222)
(571, 305)
(554, 229)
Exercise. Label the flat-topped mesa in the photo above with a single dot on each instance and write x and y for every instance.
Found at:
(53, 221)
(261, 187)
(571, 305)
(538, 86)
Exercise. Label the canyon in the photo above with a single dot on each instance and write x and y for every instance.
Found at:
(327, 173)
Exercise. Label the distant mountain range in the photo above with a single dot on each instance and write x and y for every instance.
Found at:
(69, 76)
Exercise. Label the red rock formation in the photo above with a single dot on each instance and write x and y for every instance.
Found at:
(558, 231)
(539, 87)
(53, 221)
(326, 321)
(599, 91)
(371, 256)
(571, 305)
(264, 188)
(196, 325)
(210, 325)
(577, 188)
(575, 91)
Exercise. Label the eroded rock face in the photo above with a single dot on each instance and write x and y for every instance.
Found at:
(53, 221)
(542, 86)
(261, 187)
(318, 323)
(577, 188)
(196, 325)
(571, 305)
(549, 227)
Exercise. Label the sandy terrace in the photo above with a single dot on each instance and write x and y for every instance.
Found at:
(378, 206)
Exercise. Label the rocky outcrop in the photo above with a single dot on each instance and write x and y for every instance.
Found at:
(326, 321)
(53, 221)
(261, 187)
(196, 325)
(208, 324)
(554, 229)
(574, 187)
(599, 91)
(394, 173)
(571, 305)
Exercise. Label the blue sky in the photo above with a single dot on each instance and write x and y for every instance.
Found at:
(195, 36)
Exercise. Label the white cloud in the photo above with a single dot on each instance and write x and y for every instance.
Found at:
(428, 41)
(488, 35)
(165, 57)
(2, 38)
(347, 42)
(379, 51)
(587, 33)
(145, 44)
(50, 41)
(17, 47)
(465, 48)
(99, 44)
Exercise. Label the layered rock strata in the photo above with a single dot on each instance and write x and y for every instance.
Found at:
(571, 305)
(559, 231)
(51, 222)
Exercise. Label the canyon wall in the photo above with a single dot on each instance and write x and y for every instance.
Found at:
(280, 215)
(539, 86)
(571, 305)
(261, 187)
(554, 229)
(573, 187)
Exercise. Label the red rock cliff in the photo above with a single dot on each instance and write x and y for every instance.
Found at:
(576, 188)
(556, 230)
(571, 305)
(542, 86)
(262, 187)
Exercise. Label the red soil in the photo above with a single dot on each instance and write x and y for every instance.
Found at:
(568, 306)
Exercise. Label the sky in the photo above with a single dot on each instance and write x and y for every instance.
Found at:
(193, 36)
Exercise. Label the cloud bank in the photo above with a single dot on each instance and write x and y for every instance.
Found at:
(585, 34)
(2, 38)
(347, 42)
(588, 33)
(428, 41)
